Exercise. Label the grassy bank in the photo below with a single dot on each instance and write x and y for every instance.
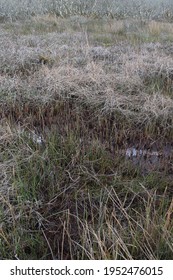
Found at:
(74, 93)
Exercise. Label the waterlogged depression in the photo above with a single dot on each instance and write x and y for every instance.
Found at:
(153, 154)
(138, 156)
(129, 153)
(150, 159)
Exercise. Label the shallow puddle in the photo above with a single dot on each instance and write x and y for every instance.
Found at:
(150, 159)
(166, 152)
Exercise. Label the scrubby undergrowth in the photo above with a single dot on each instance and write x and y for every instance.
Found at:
(73, 93)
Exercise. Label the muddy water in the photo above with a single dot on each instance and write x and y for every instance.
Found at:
(153, 154)
(150, 159)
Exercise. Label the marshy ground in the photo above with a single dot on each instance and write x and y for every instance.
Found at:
(77, 94)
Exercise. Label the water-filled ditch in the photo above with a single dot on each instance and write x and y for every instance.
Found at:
(148, 159)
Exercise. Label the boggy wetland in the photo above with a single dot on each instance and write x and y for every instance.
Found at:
(86, 131)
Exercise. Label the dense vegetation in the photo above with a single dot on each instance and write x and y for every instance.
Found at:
(155, 9)
(81, 82)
